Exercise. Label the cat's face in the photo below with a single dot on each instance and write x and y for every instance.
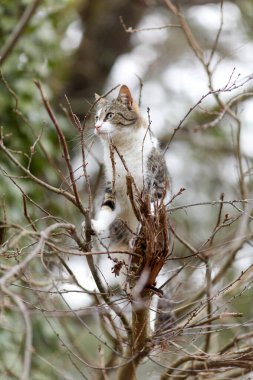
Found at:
(116, 117)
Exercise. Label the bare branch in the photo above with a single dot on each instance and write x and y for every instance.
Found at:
(18, 30)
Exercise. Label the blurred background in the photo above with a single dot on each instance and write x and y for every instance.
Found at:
(79, 47)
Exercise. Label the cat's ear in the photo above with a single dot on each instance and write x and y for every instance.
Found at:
(125, 96)
(99, 100)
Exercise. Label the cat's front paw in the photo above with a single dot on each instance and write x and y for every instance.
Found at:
(98, 227)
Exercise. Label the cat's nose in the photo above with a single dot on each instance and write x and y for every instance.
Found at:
(98, 127)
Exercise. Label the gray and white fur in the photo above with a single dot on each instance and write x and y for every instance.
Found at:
(120, 123)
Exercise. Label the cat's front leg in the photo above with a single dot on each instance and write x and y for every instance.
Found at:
(105, 217)
(107, 214)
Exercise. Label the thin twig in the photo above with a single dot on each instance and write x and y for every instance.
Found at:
(63, 145)
(56, 190)
(18, 30)
(43, 236)
(25, 373)
(136, 30)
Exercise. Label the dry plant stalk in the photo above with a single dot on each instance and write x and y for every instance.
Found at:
(152, 248)
(152, 243)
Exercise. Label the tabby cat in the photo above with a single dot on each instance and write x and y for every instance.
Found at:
(118, 122)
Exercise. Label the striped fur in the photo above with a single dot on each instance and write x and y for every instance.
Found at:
(119, 123)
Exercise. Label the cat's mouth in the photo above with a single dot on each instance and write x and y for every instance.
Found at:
(101, 133)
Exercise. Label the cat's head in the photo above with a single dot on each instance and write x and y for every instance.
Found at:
(118, 116)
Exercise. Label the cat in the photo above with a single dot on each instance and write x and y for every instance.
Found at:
(119, 124)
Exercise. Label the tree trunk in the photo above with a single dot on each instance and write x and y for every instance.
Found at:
(104, 39)
(139, 346)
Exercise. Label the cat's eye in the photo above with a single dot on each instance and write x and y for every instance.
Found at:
(109, 115)
(96, 118)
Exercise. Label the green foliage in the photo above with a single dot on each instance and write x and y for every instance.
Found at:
(37, 55)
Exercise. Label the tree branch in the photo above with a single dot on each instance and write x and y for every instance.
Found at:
(18, 30)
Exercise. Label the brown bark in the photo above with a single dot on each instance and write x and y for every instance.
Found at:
(140, 345)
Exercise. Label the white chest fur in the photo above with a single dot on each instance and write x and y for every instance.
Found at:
(135, 149)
